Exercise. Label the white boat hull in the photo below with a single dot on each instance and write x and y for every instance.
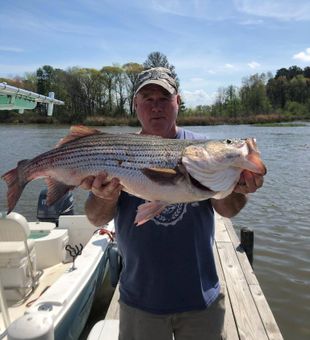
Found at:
(68, 301)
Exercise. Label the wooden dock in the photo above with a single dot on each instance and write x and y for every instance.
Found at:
(248, 315)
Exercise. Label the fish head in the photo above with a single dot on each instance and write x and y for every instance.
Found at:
(217, 164)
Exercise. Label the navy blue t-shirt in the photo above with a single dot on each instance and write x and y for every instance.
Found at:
(168, 262)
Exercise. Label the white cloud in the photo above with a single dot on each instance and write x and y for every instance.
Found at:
(206, 9)
(303, 56)
(197, 80)
(230, 66)
(10, 49)
(253, 64)
(251, 22)
(197, 97)
(279, 9)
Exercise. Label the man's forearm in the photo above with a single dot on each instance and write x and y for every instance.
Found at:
(99, 211)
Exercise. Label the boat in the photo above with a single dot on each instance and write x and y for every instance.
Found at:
(53, 270)
(15, 98)
(52, 273)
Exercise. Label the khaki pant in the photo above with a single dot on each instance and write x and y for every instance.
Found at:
(207, 324)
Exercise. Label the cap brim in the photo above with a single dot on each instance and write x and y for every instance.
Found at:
(159, 82)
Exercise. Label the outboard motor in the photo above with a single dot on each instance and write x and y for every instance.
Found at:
(64, 206)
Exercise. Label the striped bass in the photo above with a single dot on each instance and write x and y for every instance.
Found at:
(159, 170)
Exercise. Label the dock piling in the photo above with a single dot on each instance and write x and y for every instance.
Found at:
(247, 242)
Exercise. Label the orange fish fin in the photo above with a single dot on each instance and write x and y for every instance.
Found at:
(56, 190)
(148, 210)
(16, 181)
(76, 132)
(162, 175)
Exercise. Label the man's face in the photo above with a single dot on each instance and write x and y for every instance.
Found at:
(157, 110)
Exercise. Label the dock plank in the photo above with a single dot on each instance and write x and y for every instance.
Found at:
(244, 262)
(247, 319)
(248, 315)
(229, 321)
(266, 315)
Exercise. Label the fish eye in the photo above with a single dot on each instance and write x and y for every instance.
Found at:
(228, 141)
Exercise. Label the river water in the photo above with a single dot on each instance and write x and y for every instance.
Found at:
(279, 213)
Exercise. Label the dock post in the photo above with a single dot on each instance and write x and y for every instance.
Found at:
(247, 242)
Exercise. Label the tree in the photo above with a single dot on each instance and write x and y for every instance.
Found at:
(30, 81)
(109, 74)
(91, 86)
(76, 95)
(121, 97)
(253, 95)
(232, 101)
(282, 72)
(307, 72)
(218, 107)
(277, 91)
(158, 59)
(45, 79)
(294, 71)
(132, 71)
(298, 89)
(45, 83)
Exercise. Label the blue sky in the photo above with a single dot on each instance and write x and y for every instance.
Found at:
(211, 43)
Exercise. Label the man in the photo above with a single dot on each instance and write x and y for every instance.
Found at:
(168, 285)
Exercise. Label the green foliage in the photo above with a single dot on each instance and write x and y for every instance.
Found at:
(158, 59)
(295, 109)
(106, 95)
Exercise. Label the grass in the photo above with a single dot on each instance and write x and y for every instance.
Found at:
(183, 120)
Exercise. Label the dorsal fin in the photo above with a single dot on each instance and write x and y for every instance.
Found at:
(77, 131)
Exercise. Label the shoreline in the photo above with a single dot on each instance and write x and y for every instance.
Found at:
(263, 119)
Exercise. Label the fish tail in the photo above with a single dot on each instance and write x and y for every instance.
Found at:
(16, 182)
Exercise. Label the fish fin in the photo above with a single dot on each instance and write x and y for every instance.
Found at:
(76, 132)
(56, 190)
(16, 182)
(163, 175)
(148, 210)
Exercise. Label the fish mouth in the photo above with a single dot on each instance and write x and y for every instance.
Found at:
(255, 164)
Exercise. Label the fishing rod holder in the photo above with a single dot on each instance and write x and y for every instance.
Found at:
(74, 252)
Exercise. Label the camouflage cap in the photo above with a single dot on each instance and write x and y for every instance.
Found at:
(159, 76)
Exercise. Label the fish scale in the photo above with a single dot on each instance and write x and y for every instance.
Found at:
(108, 148)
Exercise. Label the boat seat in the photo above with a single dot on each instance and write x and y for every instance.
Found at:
(18, 273)
(12, 252)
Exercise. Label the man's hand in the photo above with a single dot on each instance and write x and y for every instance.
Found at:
(100, 207)
(101, 187)
(249, 182)
(230, 206)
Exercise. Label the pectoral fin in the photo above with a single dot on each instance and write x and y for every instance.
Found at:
(148, 210)
(163, 175)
